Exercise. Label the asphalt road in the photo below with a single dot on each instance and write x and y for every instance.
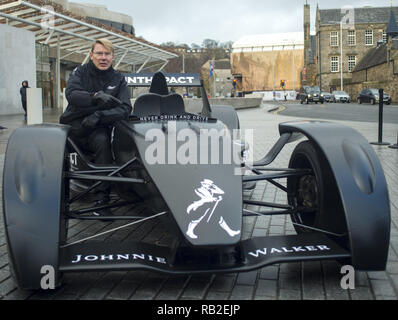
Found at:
(339, 111)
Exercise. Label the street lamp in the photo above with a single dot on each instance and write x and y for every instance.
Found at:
(341, 56)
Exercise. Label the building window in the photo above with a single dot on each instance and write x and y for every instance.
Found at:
(352, 40)
(352, 61)
(334, 39)
(369, 37)
(384, 36)
(334, 64)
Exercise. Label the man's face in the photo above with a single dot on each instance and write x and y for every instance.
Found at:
(101, 57)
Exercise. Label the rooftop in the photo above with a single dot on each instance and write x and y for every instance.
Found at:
(361, 15)
(269, 40)
(374, 57)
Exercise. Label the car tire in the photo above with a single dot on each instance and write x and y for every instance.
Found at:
(316, 191)
(373, 101)
(359, 101)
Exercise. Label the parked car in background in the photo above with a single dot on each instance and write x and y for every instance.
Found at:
(310, 94)
(340, 96)
(327, 96)
(372, 96)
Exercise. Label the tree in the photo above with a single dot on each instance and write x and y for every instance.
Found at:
(195, 46)
(210, 44)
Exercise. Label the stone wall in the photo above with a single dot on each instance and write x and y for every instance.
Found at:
(381, 76)
(257, 69)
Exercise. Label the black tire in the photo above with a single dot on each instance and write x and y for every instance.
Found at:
(315, 195)
(359, 101)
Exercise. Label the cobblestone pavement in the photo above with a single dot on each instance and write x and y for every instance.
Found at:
(298, 281)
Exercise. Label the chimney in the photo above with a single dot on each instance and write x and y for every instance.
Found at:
(307, 33)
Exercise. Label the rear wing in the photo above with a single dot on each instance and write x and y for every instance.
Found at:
(172, 79)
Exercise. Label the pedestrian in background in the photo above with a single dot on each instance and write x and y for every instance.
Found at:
(22, 91)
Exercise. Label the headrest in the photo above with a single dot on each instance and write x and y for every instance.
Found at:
(159, 84)
(147, 105)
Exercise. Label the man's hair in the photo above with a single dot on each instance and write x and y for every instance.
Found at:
(106, 43)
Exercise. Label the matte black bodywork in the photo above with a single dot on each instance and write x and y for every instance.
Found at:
(32, 200)
(362, 187)
(36, 198)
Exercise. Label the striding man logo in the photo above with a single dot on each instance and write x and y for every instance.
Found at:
(210, 196)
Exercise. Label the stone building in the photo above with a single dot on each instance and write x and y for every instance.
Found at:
(221, 84)
(379, 67)
(362, 31)
(261, 62)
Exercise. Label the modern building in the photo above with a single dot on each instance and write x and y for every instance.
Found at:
(63, 40)
(343, 38)
(264, 62)
(100, 14)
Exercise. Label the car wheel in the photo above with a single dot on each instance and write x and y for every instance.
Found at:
(373, 101)
(306, 101)
(315, 196)
(359, 101)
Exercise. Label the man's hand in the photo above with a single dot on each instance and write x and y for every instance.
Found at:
(91, 121)
(102, 99)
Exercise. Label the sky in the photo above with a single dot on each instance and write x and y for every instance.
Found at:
(192, 21)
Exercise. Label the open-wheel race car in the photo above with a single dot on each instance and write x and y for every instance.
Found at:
(336, 194)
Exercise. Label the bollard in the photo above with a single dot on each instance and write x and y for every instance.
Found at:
(34, 106)
(394, 146)
(381, 105)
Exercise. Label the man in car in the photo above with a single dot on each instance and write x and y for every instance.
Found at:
(93, 109)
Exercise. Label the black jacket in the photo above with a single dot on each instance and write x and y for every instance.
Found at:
(84, 82)
(22, 91)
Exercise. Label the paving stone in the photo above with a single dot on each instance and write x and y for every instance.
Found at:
(270, 272)
(268, 288)
(293, 281)
(195, 289)
(247, 278)
(361, 293)
(382, 288)
(222, 283)
(242, 292)
(217, 295)
(288, 294)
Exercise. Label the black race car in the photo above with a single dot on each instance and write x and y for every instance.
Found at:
(336, 193)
